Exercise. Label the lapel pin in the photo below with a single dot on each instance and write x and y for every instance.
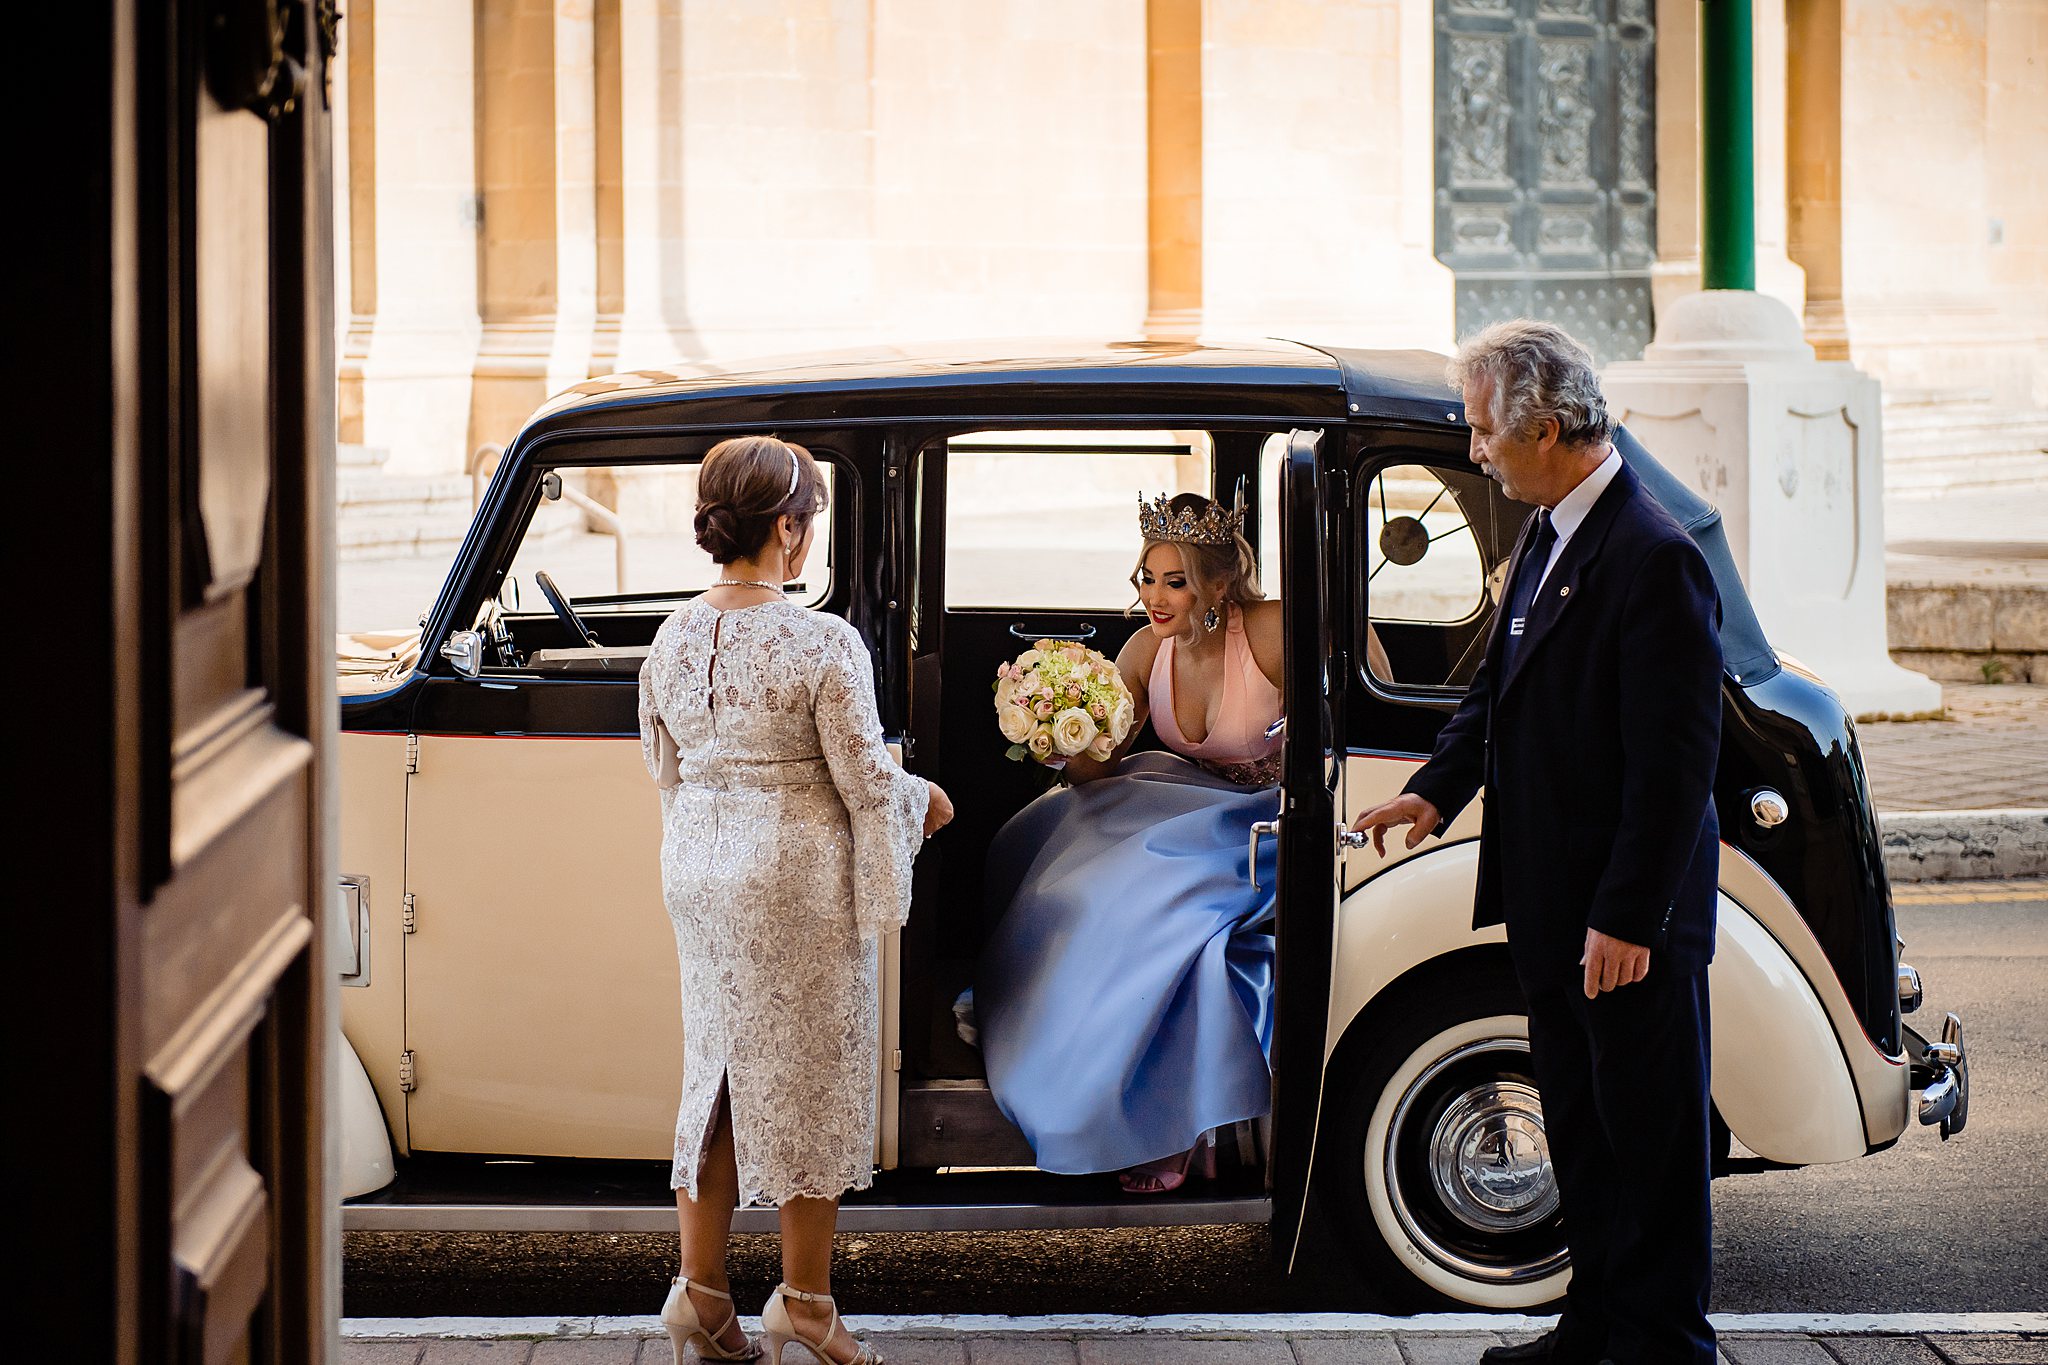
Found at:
(1565, 591)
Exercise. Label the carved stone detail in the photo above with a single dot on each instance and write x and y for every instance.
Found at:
(1564, 74)
(1568, 9)
(1480, 110)
(1632, 11)
(1482, 229)
(1568, 232)
(1632, 94)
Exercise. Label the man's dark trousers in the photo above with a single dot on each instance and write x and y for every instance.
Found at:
(1624, 1082)
(1596, 742)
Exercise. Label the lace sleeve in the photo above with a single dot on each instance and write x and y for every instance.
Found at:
(884, 804)
(657, 747)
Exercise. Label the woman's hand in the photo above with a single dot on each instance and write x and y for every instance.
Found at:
(939, 813)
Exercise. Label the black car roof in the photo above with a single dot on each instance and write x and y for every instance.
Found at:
(1268, 376)
(800, 385)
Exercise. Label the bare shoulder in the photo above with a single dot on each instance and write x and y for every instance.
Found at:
(1136, 658)
(1262, 631)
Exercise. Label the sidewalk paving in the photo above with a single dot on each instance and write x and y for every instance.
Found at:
(1991, 754)
(1293, 1340)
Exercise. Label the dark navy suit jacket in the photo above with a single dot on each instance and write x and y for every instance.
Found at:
(1597, 748)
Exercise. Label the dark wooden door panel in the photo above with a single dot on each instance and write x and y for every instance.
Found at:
(219, 496)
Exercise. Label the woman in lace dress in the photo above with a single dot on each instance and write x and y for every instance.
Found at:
(787, 840)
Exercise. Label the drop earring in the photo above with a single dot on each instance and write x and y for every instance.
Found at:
(1210, 620)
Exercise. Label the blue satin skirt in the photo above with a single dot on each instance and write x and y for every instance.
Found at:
(1125, 994)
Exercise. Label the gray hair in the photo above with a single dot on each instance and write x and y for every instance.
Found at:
(1537, 371)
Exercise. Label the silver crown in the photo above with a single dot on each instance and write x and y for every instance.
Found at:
(1214, 525)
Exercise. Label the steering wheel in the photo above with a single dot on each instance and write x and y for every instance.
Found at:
(563, 611)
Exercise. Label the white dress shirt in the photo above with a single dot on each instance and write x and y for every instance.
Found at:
(1570, 512)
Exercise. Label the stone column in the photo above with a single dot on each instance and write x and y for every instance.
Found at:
(416, 377)
(1677, 270)
(1318, 131)
(1173, 167)
(1009, 168)
(1731, 398)
(537, 165)
(653, 324)
(1900, 164)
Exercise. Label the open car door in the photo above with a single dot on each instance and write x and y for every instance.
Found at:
(1305, 927)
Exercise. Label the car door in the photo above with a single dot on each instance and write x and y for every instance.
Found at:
(1311, 551)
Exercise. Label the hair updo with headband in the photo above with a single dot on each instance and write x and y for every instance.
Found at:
(747, 482)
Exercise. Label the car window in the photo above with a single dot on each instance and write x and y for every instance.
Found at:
(1049, 519)
(626, 533)
(1433, 547)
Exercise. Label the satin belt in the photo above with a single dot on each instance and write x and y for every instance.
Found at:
(757, 774)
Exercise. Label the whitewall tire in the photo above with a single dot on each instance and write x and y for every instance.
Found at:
(1439, 1147)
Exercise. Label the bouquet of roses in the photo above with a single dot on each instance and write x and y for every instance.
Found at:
(1060, 699)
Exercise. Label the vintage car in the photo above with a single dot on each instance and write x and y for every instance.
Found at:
(512, 1007)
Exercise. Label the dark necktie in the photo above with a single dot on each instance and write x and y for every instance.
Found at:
(1528, 576)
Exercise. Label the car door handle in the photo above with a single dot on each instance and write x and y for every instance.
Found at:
(1260, 828)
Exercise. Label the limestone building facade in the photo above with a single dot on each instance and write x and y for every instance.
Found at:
(530, 192)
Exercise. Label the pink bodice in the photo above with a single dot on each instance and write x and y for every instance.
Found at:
(1236, 744)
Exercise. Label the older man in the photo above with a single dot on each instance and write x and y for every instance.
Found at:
(1593, 725)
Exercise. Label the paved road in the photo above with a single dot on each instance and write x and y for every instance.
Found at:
(1927, 1226)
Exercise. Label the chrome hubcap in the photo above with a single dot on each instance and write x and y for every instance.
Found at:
(1467, 1166)
(1490, 1161)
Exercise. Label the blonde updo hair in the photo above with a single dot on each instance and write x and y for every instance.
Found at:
(1220, 574)
(744, 484)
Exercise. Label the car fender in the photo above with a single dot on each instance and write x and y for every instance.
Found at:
(366, 1160)
(1780, 1078)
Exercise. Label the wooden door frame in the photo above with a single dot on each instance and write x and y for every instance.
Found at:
(91, 552)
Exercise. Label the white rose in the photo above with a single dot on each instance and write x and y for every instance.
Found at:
(1029, 659)
(1102, 748)
(1015, 723)
(1120, 722)
(1006, 691)
(1073, 730)
(1040, 743)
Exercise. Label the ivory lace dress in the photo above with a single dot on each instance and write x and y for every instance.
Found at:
(787, 840)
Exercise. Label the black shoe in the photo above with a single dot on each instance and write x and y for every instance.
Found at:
(1542, 1351)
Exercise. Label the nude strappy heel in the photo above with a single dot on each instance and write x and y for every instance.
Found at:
(679, 1315)
(779, 1331)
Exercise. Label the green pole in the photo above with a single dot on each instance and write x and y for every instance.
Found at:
(1727, 146)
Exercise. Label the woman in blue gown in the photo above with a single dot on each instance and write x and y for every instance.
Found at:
(1124, 996)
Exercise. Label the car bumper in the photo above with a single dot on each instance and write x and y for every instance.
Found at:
(1940, 1071)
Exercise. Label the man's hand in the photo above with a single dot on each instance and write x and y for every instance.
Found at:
(1611, 963)
(1405, 809)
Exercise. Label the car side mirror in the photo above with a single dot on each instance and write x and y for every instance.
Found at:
(465, 649)
(551, 485)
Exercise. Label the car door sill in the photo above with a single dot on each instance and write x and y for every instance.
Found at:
(1165, 1211)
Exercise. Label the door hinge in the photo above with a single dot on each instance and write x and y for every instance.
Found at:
(412, 753)
(405, 1081)
(411, 920)
(896, 1060)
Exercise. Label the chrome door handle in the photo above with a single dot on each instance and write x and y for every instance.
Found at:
(1260, 828)
(1353, 838)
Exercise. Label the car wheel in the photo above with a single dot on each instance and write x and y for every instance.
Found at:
(1440, 1168)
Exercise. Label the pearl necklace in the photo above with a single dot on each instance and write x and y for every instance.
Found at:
(747, 583)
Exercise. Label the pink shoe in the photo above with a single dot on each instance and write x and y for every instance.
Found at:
(1170, 1173)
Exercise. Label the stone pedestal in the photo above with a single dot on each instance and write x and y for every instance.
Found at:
(1731, 399)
